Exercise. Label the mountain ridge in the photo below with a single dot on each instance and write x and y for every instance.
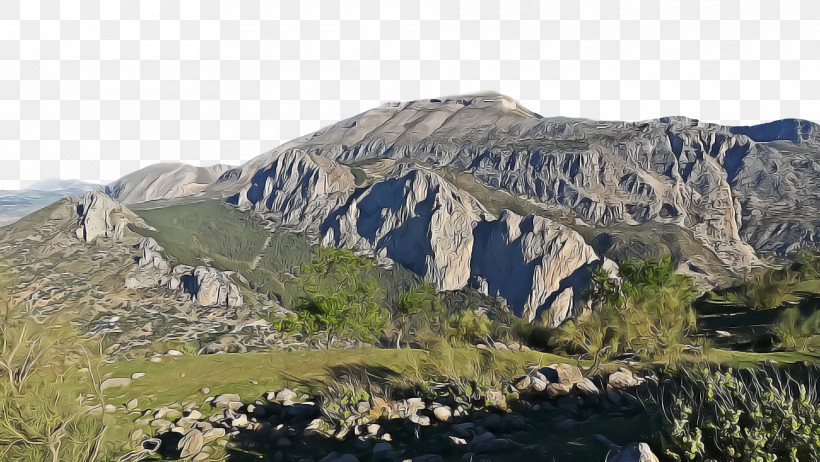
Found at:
(741, 192)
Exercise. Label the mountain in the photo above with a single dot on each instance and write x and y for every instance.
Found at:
(475, 191)
(17, 204)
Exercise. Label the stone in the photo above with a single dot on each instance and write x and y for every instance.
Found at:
(635, 452)
(565, 374)
(137, 375)
(285, 394)
(116, 382)
(522, 383)
(623, 379)
(212, 434)
(190, 444)
(230, 401)
(586, 388)
(132, 404)
(443, 413)
(167, 413)
(457, 441)
(538, 384)
(555, 390)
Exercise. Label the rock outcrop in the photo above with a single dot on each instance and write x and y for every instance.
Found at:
(296, 189)
(735, 190)
(100, 215)
(411, 215)
(206, 286)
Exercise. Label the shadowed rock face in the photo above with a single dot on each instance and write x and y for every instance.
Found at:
(738, 190)
(414, 217)
(99, 215)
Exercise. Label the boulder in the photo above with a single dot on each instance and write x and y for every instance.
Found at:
(230, 401)
(443, 413)
(190, 444)
(623, 379)
(586, 388)
(554, 390)
(565, 374)
(635, 452)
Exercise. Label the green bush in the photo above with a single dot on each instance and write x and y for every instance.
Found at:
(343, 298)
(41, 417)
(744, 415)
(468, 327)
(420, 315)
(794, 330)
(769, 289)
(807, 263)
(649, 311)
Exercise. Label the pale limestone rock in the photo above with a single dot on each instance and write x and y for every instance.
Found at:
(635, 452)
(99, 215)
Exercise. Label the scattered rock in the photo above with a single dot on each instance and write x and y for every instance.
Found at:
(586, 388)
(635, 452)
(623, 379)
(115, 382)
(230, 401)
(132, 404)
(565, 374)
(443, 413)
(190, 444)
(554, 390)
(137, 375)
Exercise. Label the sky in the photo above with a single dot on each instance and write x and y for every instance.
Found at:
(94, 90)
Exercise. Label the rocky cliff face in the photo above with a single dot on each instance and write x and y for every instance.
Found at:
(102, 216)
(410, 215)
(99, 215)
(738, 189)
(376, 183)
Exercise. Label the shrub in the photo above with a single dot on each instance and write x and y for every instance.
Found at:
(769, 289)
(807, 263)
(794, 330)
(749, 415)
(343, 297)
(468, 327)
(648, 311)
(419, 314)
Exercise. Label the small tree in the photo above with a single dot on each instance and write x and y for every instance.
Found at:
(418, 312)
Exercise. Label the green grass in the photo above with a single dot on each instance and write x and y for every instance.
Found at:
(811, 286)
(179, 378)
(207, 230)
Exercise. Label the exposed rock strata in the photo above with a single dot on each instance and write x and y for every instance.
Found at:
(414, 217)
(99, 215)
(738, 189)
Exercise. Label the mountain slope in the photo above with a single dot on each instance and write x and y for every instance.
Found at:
(734, 187)
(445, 186)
